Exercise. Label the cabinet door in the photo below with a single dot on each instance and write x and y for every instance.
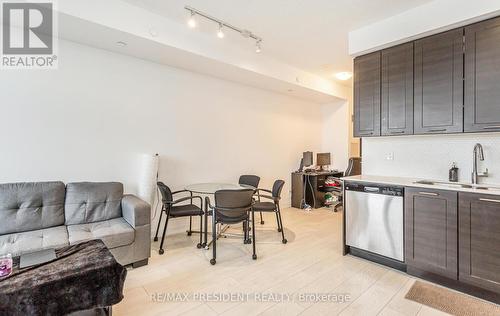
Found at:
(431, 231)
(397, 90)
(479, 240)
(367, 95)
(439, 83)
(482, 77)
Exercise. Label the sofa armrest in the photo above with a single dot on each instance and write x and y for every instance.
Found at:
(135, 211)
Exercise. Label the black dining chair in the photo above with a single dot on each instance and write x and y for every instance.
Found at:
(273, 206)
(231, 207)
(252, 181)
(172, 210)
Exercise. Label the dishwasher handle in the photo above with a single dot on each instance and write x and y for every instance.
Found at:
(373, 188)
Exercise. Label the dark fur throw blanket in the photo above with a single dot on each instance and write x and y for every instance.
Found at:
(84, 276)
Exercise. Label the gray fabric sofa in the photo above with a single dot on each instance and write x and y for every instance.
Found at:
(41, 215)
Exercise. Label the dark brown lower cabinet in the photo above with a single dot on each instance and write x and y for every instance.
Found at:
(453, 238)
(479, 240)
(431, 231)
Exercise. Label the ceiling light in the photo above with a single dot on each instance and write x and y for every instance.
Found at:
(192, 21)
(220, 34)
(258, 47)
(345, 75)
(195, 13)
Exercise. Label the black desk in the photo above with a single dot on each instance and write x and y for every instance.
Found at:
(314, 196)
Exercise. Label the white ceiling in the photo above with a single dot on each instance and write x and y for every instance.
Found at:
(308, 34)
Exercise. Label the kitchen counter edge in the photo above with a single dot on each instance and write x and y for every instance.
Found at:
(410, 182)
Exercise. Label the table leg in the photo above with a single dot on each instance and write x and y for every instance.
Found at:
(221, 229)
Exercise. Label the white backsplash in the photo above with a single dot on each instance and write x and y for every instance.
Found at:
(431, 156)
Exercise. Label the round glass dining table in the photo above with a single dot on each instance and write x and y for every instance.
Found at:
(210, 189)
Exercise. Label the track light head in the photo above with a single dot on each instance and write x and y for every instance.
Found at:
(258, 47)
(195, 13)
(220, 33)
(192, 21)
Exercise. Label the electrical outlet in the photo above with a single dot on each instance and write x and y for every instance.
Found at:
(389, 156)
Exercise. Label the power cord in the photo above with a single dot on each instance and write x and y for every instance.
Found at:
(304, 205)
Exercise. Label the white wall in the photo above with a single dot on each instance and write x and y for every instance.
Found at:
(430, 18)
(431, 156)
(93, 118)
(335, 133)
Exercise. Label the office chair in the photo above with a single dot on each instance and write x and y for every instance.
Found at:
(250, 180)
(273, 206)
(231, 207)
(172, 210)
(253, 181)
(353, 169)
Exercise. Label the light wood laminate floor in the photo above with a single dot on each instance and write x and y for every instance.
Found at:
(274, 284)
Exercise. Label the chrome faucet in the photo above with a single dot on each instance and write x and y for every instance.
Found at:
(477, 153)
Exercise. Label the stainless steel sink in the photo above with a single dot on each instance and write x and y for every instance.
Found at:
(459, 185)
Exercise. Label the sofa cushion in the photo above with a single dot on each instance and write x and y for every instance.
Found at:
(88, 202)
(31, 206)
(114, 232)
(25, 242)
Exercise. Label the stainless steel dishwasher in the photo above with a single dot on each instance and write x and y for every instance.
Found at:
(374, 219)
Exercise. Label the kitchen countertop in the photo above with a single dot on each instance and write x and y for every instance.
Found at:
(410, 182)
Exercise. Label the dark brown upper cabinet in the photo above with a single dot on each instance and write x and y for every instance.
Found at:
(439, 83)
(367, 95)
(431, 231)
(479, 240)
(397, 90)
(482, 77)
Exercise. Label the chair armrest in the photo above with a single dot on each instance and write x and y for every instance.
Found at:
(188, 198)
(180, 191)
(266, 197)
(135, 211)
(207, 201)
(265, 190)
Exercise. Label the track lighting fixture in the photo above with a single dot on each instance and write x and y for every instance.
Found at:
(192, 21)
(258, 48)
(223, 25)
(220, 34)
